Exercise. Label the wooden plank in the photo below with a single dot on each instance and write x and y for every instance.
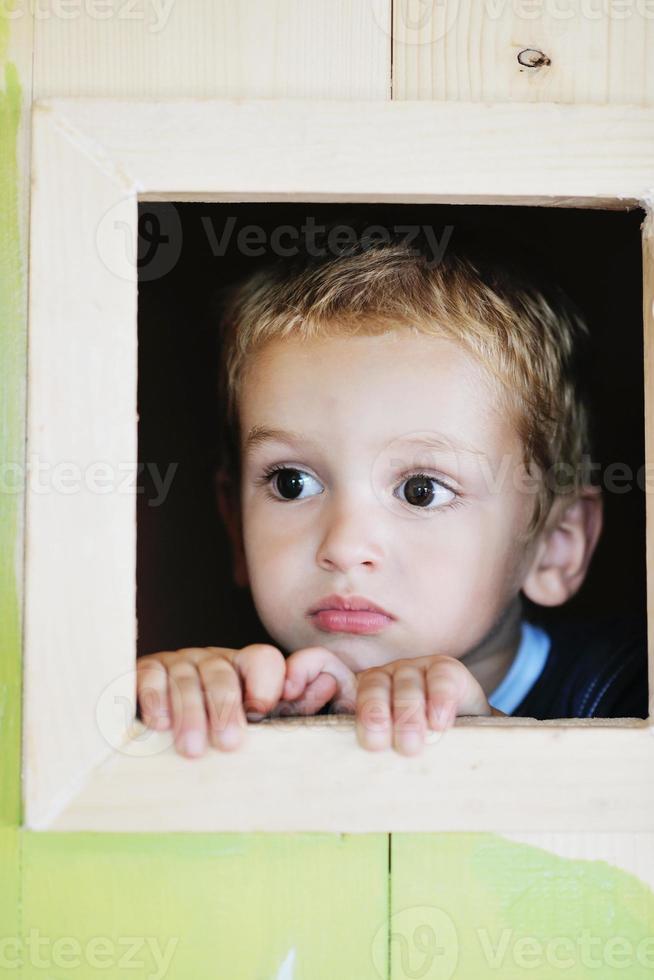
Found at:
(294, 149)
(480, 775)
(84, 322)
(276, 906)
(15, 99)
(477, 905)
(462, 50)
(309, 48)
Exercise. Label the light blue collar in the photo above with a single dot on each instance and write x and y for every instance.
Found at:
(525, 670)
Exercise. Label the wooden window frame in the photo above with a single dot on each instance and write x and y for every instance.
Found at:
(87, 764)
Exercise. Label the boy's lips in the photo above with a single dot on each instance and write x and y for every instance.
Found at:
(349, 614)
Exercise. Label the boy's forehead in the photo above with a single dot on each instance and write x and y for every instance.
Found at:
(370, 365)
(424, 390)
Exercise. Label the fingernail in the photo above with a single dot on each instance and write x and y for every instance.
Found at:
(193, 743)
(412, 742)
(230, 737)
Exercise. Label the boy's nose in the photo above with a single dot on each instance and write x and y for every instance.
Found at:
(351, 537)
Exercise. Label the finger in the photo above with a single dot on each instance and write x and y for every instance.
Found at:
(262, 668)
(373, 709)
(452, 690)
(316, 694)
(408, 699)
(152, 693)
(303, 669)
(223, 699)
(189, 712)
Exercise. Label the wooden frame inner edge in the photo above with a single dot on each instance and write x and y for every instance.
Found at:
(90, 167)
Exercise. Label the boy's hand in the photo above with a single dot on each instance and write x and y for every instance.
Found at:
(402, 699)
(414, 695)
(218, 681)
(257, 680)
(315, 676)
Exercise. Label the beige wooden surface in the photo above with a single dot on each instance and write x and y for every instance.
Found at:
(310, 775)
(217, 48)
(92, 160)
(467, 50)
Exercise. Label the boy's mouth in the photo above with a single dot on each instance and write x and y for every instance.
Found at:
(349, 614)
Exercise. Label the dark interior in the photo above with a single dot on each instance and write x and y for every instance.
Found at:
(185, 594)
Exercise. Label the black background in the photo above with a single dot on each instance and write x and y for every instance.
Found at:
(185, 594)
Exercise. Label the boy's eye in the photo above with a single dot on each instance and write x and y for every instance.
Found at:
(419, 491)
(290, 482)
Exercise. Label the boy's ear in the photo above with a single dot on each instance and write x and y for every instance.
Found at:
(229, 506)
(565, 549)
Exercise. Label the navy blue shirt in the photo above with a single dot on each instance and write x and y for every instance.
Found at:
(578, 669)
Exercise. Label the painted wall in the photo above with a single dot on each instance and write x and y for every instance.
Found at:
(307, 906)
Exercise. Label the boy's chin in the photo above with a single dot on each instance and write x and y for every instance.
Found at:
(359, 652)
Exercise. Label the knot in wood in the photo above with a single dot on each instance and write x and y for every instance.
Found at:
(533, 58)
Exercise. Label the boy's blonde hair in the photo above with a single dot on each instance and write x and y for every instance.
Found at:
(520, 325)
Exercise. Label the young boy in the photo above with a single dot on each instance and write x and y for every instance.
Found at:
(406, 457)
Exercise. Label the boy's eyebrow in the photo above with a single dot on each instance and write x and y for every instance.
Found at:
(262, 433)
(441, 442)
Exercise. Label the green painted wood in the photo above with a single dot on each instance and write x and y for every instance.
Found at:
(471, 906)
(10, 935)
(195, 906)
(12, 434)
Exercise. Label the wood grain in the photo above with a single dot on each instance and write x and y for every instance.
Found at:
(470, 51)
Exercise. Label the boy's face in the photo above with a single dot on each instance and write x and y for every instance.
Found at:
(358, 518)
